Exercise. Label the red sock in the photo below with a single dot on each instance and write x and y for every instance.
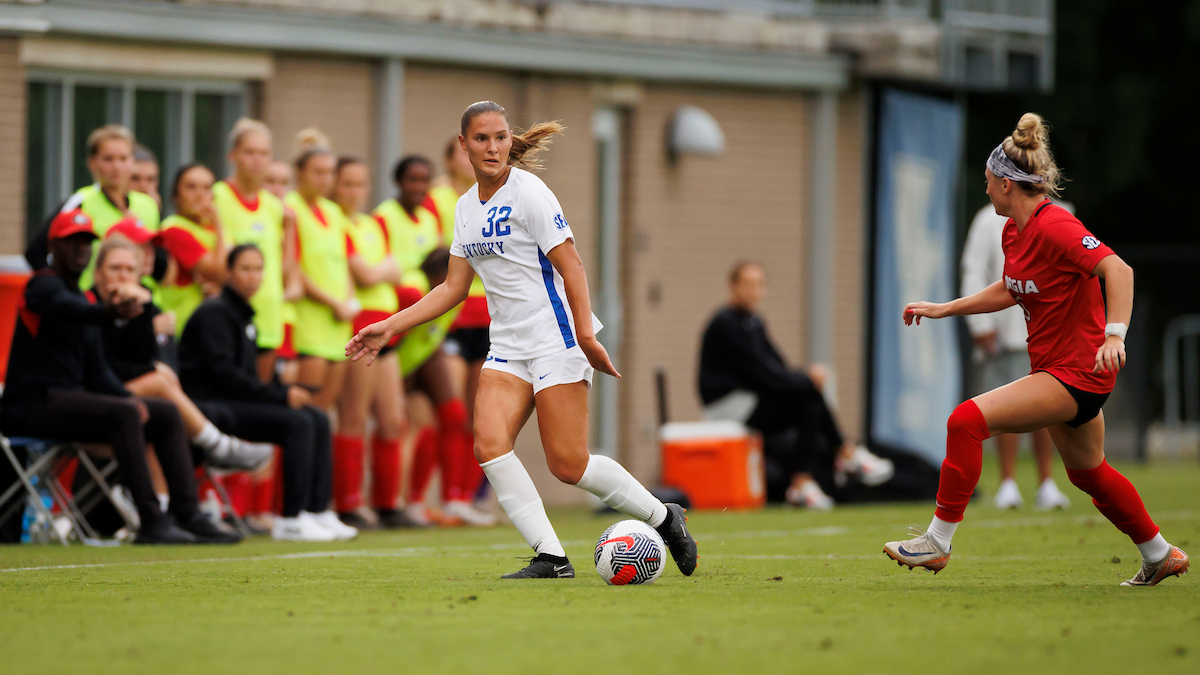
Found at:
(237, 486)
(470, 473)
(452, 421)
(263, 500)
(66, 477)
(424, 459)
(1117, 499)
(347, 472)
(385, 472)
(966, 430)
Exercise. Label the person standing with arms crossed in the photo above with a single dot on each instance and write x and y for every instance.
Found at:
(1001, 356)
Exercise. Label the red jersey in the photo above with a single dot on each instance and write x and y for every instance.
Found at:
(1048, 270)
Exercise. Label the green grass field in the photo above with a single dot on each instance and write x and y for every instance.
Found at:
(776, 591)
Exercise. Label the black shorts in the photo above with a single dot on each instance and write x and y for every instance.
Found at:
(1088, 404)
(470, 343)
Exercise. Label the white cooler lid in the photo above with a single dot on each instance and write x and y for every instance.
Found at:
(682, 431)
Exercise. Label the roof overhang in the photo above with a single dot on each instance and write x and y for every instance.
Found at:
(375, 37)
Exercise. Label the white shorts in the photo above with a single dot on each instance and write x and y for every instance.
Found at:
(565, 367)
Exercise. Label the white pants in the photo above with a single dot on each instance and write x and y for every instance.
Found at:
(565, 367)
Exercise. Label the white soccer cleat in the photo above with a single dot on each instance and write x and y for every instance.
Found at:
(301, 528)
(329, 520)
(920, 551)
(871, 469)
(1174, 565)
(810, 496)
(419, 515)
(468, 514)
(1049, 497)
(1008, 496)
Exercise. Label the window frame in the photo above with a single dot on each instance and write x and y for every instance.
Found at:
(60, 157)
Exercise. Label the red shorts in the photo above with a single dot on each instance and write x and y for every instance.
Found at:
(287, 350)
(369, 316)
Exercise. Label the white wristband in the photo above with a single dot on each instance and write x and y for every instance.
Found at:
(1118, 329)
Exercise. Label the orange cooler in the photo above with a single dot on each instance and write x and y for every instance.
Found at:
(718, 464)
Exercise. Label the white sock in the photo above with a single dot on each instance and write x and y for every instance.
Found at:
(941, 532)
(609, 481)
(1155, 550)
(164, 501)
(209, 437)
(521, 503)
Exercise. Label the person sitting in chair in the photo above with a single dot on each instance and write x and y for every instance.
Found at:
(743, 377)
(60, 386)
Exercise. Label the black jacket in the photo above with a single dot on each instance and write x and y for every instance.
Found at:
(218, 354)
(56, 344)
(736, 353)
(130, 345)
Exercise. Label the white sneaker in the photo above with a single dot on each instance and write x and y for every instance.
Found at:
(468, 514)
(871, 469)
(1049, 497)
(419, 515)
(301, 528)
(920, 551)
(238, 455)
(810, 496)
(328, 519)
(1008, 496)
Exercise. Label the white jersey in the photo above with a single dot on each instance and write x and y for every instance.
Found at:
(506, 240)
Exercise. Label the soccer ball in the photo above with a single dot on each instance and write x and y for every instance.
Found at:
(630, 552)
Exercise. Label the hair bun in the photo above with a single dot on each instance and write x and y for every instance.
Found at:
(1031, 132)
(312, 139)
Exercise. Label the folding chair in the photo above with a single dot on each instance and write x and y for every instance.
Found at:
(223, 496)
(44, 458)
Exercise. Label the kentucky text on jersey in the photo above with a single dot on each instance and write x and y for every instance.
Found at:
(484, 248)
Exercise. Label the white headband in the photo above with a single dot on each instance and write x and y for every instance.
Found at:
(1002, 167)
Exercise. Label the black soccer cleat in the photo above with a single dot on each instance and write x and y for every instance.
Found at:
(545, 566)
(675, 535)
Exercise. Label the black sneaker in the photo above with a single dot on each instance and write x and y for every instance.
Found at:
(675, 534)
(207, 532)
(545, 566)
(397, 519)
(163, 531)
(353, 519)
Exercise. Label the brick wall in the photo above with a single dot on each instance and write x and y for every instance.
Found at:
(689, 224)
(335, 95)
(849, 269)
(12, 149)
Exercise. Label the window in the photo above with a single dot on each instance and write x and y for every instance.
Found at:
(1022, 71)
(180, 121)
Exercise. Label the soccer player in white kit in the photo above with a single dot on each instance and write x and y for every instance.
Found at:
(510, 230)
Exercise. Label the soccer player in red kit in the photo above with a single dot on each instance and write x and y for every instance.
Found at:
(1052, 267)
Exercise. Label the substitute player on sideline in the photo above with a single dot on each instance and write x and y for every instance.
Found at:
(509, 229)
(1051, 265)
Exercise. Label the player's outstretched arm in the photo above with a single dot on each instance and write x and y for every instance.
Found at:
(991, 299)
(436, 302)
(566, 260)
(1118, 296)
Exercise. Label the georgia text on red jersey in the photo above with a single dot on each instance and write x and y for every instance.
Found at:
(1048, 270)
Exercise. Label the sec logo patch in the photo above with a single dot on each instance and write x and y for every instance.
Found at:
(1091, 243)
(560, 222)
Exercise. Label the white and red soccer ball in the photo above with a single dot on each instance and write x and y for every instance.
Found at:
(630, 552)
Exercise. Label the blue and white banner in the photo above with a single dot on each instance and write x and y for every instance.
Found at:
(916, 370)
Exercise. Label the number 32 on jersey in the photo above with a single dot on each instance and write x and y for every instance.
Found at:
(497, 216)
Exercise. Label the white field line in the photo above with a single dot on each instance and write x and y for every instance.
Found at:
(415, 551)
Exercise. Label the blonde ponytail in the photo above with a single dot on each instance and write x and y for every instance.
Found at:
(311, 142)
(535, 139)
(1029, 149)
